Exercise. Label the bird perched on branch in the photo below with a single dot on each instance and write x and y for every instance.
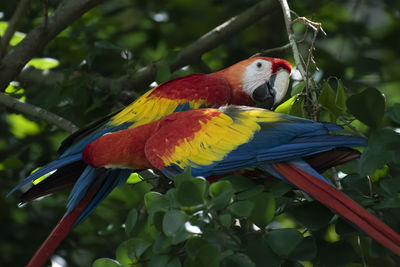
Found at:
(220, 141)
(255, 81)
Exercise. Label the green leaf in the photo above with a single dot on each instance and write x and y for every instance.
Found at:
(306, 250)
(193, 245)
(43, 63)
(285, 106)
(105, 262)
(264, 209)
(225, 219)
(219, 187)
(208, 255)
(173, 221)
(251, 192)
(312, 215)
(241, 208)
(131, 250)
(163, 72)
(21, 127)
(394, 112)
(239, 183)
(327, 99)
(284, 241)
(389, 203)
(298, 88)
(164, 260)
(155, 201)
(367, 106)
(297, 109)
(341, 96)
(192, 192)
(238, 260)
(222, 200)
(185, 175)
(162, 244)
(379, 173)
(260, 252)
(131, 220)
(383, 147)
(346, 252)
(391, 186)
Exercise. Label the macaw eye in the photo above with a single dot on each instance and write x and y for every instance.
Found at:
(259, 65)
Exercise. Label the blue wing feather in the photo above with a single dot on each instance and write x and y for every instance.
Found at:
(285, 140)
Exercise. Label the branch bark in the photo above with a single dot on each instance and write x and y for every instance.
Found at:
(34, 42)
(37, 112)
(12, 26)
(189, 55)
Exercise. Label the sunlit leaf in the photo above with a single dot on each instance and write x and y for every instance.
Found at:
(21, 127)
(43, 63)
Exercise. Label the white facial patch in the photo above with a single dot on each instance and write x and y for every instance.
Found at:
(281, 85)
(256, 74)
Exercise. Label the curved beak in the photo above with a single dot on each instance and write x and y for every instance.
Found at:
(271, 93)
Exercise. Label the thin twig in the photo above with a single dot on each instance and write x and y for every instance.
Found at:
(292, 37)
(351, 127)
(336, 178)
(12, 26)
(272, 50)
(37, 112)
(304, 66)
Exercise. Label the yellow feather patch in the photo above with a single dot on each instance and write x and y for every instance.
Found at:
(148, 108)
(217, 137)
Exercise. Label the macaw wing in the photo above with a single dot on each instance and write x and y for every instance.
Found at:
(221, 141)
(188, 92)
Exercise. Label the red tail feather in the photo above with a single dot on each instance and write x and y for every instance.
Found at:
(341, 204)
(62, 229)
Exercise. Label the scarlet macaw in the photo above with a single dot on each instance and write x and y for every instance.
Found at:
(257, 80)
(220, 141)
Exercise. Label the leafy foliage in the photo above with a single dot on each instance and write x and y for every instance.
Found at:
(235, 221)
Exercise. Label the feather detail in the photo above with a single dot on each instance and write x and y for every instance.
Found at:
(341, 204)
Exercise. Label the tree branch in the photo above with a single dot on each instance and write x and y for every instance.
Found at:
(37, 112)
(292, 37)
(34, 42)
(12, 26)
(302, 66)
(188, 55)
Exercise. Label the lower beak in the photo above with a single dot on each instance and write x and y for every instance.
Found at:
(264, 95)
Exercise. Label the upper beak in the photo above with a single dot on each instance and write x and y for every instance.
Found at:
(271, 93)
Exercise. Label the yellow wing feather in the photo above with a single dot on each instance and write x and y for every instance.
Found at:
(210, 143)
(149, 108)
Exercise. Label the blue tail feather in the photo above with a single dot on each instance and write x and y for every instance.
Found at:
(299, 163)
(58, 163)
(114, 178)
(81, 186)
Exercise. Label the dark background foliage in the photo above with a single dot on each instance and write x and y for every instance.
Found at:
(358, 62)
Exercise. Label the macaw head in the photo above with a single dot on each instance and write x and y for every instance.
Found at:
(264, 80)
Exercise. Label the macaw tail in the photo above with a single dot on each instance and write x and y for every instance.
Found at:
(64, 178)
(62, 228)
(304, 177)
